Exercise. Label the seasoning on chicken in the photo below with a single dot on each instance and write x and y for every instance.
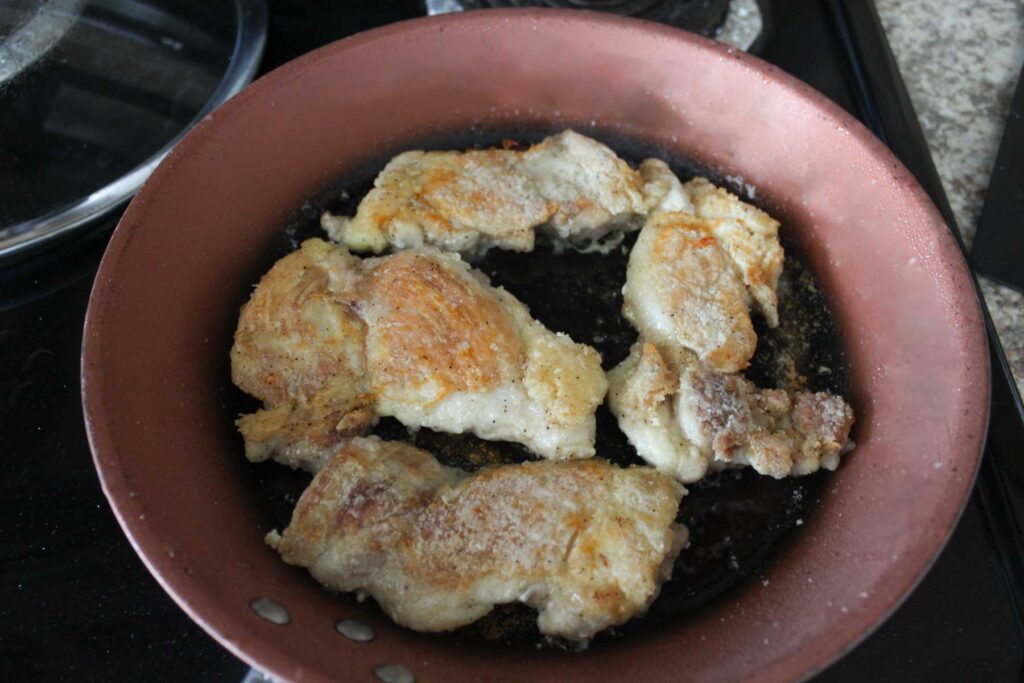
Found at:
(681, 290)
(687, 419)
(695, 271)
(586, 543)
(697, 267)
(569, 186)
(330, 342)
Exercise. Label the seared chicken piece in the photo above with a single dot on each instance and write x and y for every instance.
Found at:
(686, 418)
(574, 187)
(681, 290)
(701, 260)
(699, 263)
(329, 342)
(641, 396)
(586, 543)
(748, 235)
(300, 349)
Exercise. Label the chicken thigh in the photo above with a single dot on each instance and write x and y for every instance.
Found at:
(330, 342)
(687, 419)
(586, 543)
(692, 277)
(569, 186)
(700, 262)
(681, 290)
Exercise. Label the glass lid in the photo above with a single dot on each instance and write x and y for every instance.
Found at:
(94, 93)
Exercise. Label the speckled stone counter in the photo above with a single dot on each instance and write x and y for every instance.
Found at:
(960, 62)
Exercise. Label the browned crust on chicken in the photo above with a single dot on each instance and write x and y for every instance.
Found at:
(449, 332)
(776, 432)
(586, 543)
(329, 342)
(568, 185)
(681, 290)
(686, 418)
(299, 333)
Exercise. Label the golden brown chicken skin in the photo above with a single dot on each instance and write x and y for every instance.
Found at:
(568, 186)
(586, 543)
(434, 331)
(681, 290)
(300, 348)
(330, 342)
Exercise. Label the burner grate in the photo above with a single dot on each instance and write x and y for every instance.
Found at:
(739, 23)
(700, 16)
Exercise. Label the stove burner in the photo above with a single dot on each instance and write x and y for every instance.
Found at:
(739, 23)
(700, 16)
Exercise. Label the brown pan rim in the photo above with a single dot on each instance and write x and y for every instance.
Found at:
(219, 620)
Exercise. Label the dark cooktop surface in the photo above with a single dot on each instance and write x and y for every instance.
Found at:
(76, 603)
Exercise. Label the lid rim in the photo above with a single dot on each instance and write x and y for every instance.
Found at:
(20, 239)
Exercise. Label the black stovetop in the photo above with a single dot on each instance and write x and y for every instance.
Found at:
(77, 604)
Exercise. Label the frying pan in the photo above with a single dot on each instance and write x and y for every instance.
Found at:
(248, 179)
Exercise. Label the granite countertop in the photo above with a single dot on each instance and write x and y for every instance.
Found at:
(960, 62)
